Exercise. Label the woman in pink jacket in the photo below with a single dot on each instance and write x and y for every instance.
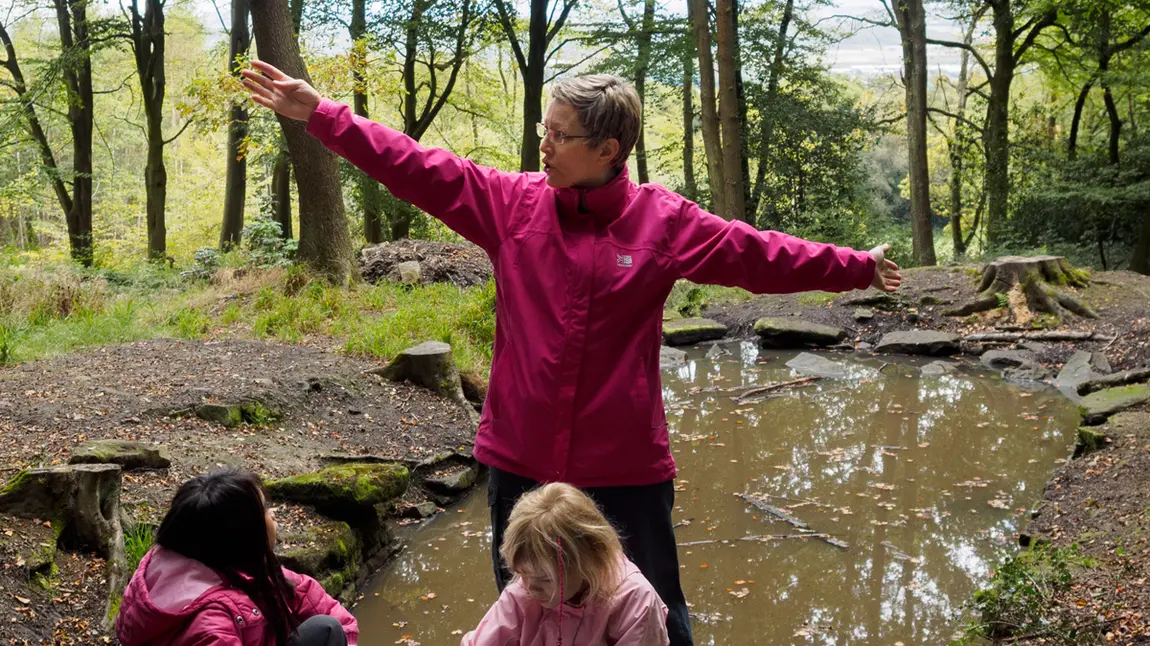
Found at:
(584, 261)
(213, 578)
(573, 585)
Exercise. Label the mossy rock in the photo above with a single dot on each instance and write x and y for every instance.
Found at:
(331, 553)
(1090, 439)
(784, 332)
(1098, 406)
(343, 488)
(129, 455)
(232, 415)
(692, 330)
(454, 480)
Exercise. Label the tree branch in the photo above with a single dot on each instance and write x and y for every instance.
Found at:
(946, 113)
(869, 21)
(568, 5)
(177, 135)
(509, 30)
(970, 48)
(1130, 42)
(1046, 21)
(577, 64)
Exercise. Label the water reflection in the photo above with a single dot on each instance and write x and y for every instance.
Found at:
(923, 478)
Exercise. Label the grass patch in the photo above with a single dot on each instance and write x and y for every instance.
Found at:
(817, 299)
(690, 299)
(1019, 597)
(137, 542)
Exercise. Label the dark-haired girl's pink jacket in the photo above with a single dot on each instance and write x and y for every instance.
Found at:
(173, 600)
(581, 278)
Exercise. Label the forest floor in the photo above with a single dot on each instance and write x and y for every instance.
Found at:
(324, 402)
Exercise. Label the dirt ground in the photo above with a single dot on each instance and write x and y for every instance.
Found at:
(325, 402)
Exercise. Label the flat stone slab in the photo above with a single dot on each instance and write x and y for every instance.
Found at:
(1003, 359)
(1077, 370)
(863, 314)
(671, 358)
(1097, 407)
(785, 332)
(456, 480)
(693, 330)
(924, 342)
(129, 455)
(938, 368)
(815, 366)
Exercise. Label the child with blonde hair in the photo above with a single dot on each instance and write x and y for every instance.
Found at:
(573, 584)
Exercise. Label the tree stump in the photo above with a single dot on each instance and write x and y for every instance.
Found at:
(429, 364)
(82, 501)
(1028, 285)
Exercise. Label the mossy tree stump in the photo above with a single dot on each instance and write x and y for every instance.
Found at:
(1028, 285)
(82, 501)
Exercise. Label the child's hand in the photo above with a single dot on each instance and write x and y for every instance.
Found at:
(886, 276)
(293, 98)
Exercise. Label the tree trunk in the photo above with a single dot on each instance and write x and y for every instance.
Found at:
(690, 189)
(1076, 120)
(235, 189)
(998, 125)
(711, 139)
(642, 63)
(767, 115)
(12, 64)
(324, 242)
(369, 190)
(741, 98)
(148, 47)
(73, 23)
(1140, 262)
(960, 145)
(281, 191)
(727, 42)
(912, 26)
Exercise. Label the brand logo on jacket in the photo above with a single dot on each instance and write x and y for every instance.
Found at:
(623, 260)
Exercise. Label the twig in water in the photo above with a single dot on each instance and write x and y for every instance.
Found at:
(782, 384)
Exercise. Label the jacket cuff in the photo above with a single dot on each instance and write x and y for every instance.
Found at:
(869, 263)
(320, 120)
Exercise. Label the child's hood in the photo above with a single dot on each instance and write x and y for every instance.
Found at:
(165, 592)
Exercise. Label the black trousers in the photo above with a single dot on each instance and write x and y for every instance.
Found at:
(642, 515)
(319, 630)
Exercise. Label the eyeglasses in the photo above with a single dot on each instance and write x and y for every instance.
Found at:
(556, 137)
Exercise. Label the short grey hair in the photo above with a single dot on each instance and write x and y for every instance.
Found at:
(608, 107)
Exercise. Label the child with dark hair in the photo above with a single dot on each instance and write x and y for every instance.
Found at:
(213, 578)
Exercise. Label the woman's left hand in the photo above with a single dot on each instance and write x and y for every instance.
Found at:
(886, 276)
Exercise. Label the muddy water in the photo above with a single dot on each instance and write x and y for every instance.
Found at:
(924, 479)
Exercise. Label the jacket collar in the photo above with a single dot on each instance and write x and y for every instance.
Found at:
(605, 203)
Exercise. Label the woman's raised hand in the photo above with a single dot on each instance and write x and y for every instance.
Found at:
(271, 88)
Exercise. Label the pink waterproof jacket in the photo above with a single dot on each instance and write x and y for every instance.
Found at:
(581, 278)
(176, 601)
(634, 616)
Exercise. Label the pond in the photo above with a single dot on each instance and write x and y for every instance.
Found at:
(918, 485)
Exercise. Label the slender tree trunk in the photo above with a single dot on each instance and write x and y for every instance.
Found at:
(912, 26)
(12, 64)
(642, 63)
(741, 98)
(1076, 120)
(768, 117)
(324, 242)
(369, 190)
(73, 22)
(729, 110)
(960, 146)
(236, 186)
(281, 191)
(712, 143)
(1140, 262)
(998, 125)
(1104, 54)
(690, 189)
(148, 47)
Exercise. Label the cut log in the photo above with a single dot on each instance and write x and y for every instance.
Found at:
(432, 366)
(1028, 285)
(82, 501)
(1135, 376)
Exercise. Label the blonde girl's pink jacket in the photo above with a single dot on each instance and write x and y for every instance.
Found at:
(633, 616)
(173, 600)
(581, 278)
